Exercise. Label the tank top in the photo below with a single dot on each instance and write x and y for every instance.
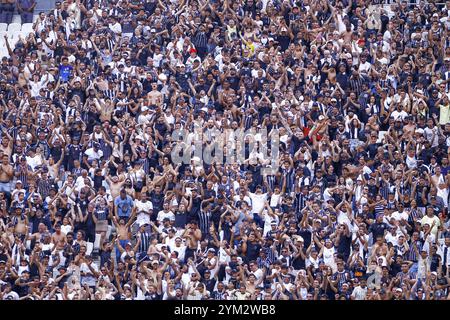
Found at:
(328, 255)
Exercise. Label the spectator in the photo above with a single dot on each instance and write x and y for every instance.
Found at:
(26, 9)
(231, 150)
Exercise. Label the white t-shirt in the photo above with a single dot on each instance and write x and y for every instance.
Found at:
(35, 161)
(399, 115)
(11, 296)
(181, 251)
(92, 155)
(162, 215)
(257, 201)
(399, 216)
(66, 229)
(143, 206)
(90, 280)
(275, 199)
(359, 293)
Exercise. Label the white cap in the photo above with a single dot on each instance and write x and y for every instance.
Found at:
(144, 108)
(162, 77)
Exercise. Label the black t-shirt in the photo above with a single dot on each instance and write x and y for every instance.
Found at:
(209, 284)
(157, 201)
(22, 290)
(193, 214)
(298, 263)
(252, 251)
(378, 229)
(284, 42)
(98, 180)
(36, 221)
(344, 244)
(306, 235)
(56, 153)
(373, 149)
(180, 220)
(152, 296)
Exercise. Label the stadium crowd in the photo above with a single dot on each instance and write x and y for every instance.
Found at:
(95, 203)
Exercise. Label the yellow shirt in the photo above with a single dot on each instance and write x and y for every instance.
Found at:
(251, 48)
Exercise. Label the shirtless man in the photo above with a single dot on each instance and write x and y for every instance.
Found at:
(20, 222)
(154, 96)
(7, 143)
(115, 185)
(53, 167)
(122, 228)
(6, 174)
(192, 235)
(42, 229)
(58, 236)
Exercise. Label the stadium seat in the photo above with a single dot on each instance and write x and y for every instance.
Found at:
(14, 27)
(17, 19)
(108, 233)
(4, 52)
(27, 27)
(12, 41)
(97, 241)
(12, 34)
(89, 248)
(24, 34)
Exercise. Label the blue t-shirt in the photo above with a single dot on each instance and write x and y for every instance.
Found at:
(64, 72)
(124, 206)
